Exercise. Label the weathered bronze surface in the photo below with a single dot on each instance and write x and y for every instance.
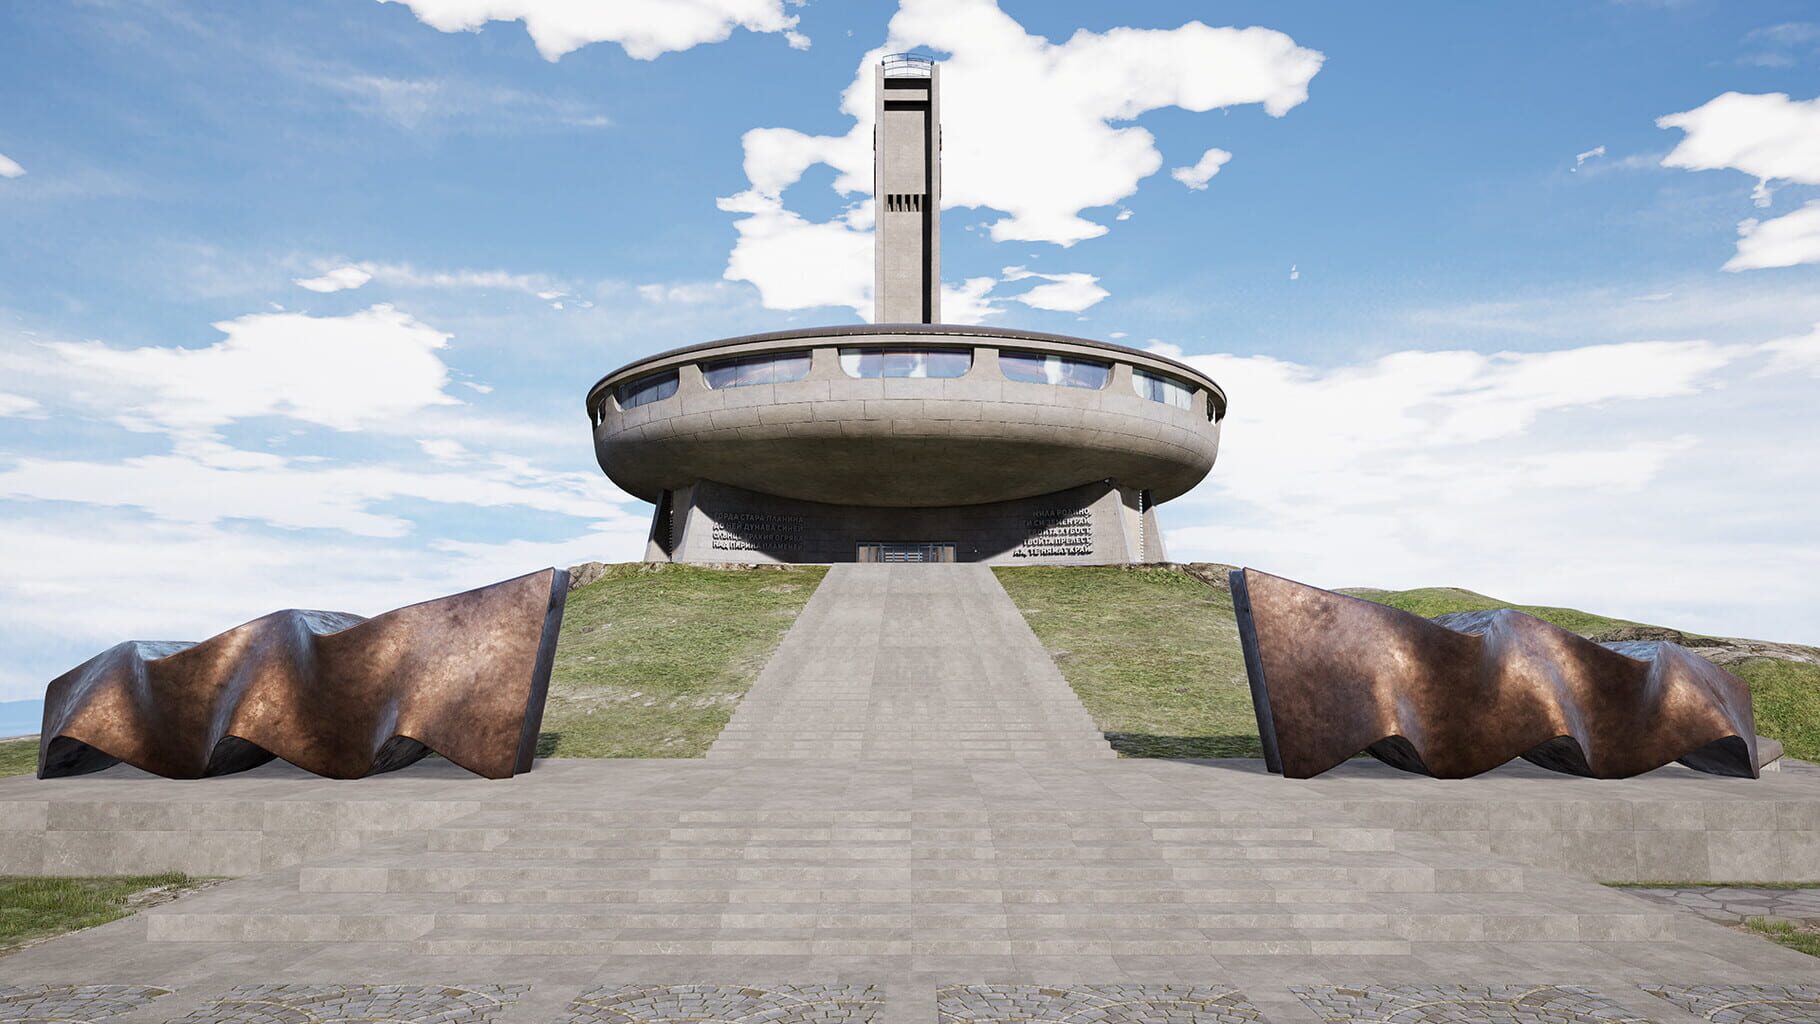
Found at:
(464, 676)
(1332, 676)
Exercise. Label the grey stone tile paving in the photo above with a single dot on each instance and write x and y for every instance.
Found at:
(358, 1004)
(727, 1004)
(1464, 1004)
(1732, 904)
(71, 1004)
(1746, 1004)
(1094, 1004)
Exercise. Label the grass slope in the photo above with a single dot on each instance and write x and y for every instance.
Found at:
(1152, 652)
(653, 658)
(37, 908)
(1429, 602)
(18, 757)
(1785, 697)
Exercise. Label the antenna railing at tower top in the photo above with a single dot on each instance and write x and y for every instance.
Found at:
(907, 65)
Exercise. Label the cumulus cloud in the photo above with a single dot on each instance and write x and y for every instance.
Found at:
(339, 279)
(404, 275)
(1591, 154)
(1787, 240)
(1197, 176)
(969, 301)
(1768, 136)
(1771, 137)
(1015, 107)
(338, 372)
(19, 405)
(646, 29)
(1603, 476)
(9, 168)
(1066, 293)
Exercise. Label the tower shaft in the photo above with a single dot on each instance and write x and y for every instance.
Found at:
(907, 188)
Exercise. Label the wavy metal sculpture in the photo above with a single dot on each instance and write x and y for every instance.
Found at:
(1333, 676)
(464, 676)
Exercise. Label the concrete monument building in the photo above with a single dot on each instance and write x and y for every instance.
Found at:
(907, 439)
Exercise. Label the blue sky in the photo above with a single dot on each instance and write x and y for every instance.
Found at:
(298, 303)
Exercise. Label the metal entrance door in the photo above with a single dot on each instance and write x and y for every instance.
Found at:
(874, 551)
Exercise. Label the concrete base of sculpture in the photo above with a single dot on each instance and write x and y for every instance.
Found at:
(1333, 676)
(335, 694)
(1095, 524)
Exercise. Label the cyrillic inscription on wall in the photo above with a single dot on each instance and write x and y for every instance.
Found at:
(758, 531)
(1057, 533)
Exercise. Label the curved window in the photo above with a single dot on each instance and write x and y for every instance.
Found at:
(906, 362)
(1037, 368)
(769, 368)
(644, 390)
(1162, 389)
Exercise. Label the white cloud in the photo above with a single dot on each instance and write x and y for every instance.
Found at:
(433, 102)
(646, 29)
(223, 484)
(1785, 241)
(1591, 154)
(9, 168)
(1768, 136)
(1796, 354)
(1015, 107)
(1066, 293)
(968, 302)
(339, 372)
(1197, 176)
(1776, 140)
(77, 582)
(1609, 477)
(339, 279)
(19, 406)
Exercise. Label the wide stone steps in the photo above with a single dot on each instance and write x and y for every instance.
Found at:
(1259, 942)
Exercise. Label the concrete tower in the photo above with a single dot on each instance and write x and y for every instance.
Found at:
(907, 185)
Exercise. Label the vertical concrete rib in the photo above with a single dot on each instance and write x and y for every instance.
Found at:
(911, 662)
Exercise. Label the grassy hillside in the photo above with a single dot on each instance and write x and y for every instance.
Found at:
(1785, 697)
(18, 757)
(1152, 652)
(1431, 601)
(653, 658)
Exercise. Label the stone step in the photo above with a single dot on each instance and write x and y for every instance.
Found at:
(1242, 942)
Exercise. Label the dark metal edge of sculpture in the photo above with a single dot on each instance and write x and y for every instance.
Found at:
(1333, 676)
(464, 676)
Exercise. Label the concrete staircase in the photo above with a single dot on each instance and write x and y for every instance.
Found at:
(734, 882)
(911, 662)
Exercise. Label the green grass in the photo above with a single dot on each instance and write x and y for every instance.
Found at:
(18, 757)
(1152, 652)
(1785, 697)
(1429, 602)
(653, 658)
(1802, 938)
(36, 908)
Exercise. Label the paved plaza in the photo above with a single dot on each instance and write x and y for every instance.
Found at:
(962, 849)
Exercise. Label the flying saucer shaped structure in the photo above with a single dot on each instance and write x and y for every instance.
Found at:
(908, 439)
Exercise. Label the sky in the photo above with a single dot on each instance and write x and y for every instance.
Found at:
(299, 302)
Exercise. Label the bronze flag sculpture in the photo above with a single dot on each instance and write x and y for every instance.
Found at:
(463, 676)
(1333, 676)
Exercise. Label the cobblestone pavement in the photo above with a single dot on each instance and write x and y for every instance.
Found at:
(1458, 1004)
(1746, 1004)
(74, 1004)
(727, 1004)
(1732, 904)
(358, 1004)
(1098, 1004)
